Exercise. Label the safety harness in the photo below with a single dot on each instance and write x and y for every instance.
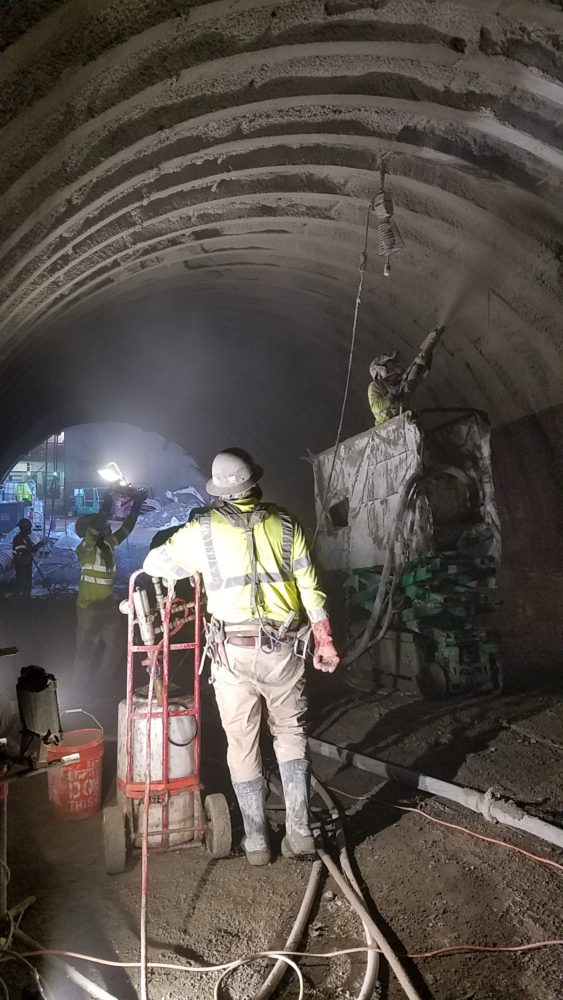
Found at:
(247, 521)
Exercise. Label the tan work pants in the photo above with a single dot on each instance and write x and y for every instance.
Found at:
(254, 679)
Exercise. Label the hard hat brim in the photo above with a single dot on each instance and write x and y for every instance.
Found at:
(235, 491)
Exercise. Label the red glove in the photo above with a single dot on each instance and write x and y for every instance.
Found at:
(325, 657)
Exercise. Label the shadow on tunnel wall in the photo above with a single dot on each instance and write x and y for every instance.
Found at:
(528, 473)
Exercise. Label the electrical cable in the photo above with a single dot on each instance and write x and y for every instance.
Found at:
(363, 262)
(5, 990)
(451, 826)
(361, 949)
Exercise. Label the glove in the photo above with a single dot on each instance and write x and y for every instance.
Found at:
(325, 657)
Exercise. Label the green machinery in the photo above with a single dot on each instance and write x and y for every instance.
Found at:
(410, 529)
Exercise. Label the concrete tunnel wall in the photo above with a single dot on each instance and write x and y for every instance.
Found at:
(183, 196)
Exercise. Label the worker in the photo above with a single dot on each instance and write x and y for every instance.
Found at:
(96, 617)
(24, 549)
(260, 581)
(392, 385)
(24, 493)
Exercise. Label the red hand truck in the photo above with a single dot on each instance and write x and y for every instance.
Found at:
(158, 794)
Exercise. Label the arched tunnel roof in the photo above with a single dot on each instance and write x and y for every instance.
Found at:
(184, 189)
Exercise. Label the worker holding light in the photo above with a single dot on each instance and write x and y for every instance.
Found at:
(392, 385)
(97, 621)
(261, 588)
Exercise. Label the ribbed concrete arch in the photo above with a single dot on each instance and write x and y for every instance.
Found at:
(184, 188)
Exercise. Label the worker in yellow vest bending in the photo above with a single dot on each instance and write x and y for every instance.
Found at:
(261, 589)
(97, 621)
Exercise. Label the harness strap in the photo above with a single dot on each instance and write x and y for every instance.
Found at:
(246, 521)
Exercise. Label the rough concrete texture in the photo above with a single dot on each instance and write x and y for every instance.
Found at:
(183, 198)
(230, 149)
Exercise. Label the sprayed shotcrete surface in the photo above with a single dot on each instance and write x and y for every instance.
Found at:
(227, 152)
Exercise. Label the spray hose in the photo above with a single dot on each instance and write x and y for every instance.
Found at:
(391, 565)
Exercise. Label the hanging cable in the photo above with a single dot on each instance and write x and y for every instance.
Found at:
(363, 262)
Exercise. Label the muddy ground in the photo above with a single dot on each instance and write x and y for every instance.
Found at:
(429, 885)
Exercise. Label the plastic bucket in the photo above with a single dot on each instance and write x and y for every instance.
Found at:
(75, 790)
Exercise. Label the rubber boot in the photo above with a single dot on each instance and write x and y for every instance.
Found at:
(298, 840)
(252, 803)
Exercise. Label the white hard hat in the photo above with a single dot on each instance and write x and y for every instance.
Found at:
(233, 474)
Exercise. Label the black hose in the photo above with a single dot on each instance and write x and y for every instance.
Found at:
(409, 491)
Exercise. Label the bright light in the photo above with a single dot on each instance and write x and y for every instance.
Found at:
(112, 474)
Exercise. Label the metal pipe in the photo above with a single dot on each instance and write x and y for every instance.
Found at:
(500, 810)
(76, 977)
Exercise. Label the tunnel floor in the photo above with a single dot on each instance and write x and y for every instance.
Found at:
(431, 885)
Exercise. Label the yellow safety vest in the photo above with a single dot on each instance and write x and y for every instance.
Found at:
(96, 573)
(219, 550)
(382, 406)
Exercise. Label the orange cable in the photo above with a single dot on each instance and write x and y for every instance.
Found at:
(449, 950)
(455, 826)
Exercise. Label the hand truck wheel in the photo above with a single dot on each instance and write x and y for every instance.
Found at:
(115, 840)
(218, 833)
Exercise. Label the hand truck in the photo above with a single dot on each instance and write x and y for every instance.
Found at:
(161, 801)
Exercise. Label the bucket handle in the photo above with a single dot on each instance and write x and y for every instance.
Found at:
(72, 711)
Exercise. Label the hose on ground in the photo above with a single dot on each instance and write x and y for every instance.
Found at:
(276, 974)
(372, 965)
(402, 976)
(372, 962)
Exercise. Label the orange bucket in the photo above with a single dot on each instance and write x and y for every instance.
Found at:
(75, 790)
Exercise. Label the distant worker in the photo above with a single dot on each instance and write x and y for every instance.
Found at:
(97, 620)
(393, 385)
(260, 584)
(24, 549)
(24, 493)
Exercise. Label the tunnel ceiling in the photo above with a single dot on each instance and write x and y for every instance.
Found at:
(223, 156)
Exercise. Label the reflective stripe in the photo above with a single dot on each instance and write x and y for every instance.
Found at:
(287, 543)
(245, 581)
(215, 582)
(304, 562)
(102, 581)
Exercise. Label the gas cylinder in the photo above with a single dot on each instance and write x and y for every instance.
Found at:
(179, 803)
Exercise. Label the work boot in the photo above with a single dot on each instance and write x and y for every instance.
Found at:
(252, 803)
(298, 840)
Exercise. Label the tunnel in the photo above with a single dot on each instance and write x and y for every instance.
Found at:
(184, 192)
(188, 242)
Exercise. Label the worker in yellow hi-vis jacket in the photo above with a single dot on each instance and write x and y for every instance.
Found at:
(261, 588)
(97, 621)
(392, 385)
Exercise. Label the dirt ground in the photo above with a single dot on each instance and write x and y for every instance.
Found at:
(430, 886)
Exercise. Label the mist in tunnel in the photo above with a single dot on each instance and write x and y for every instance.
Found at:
(184, 198)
